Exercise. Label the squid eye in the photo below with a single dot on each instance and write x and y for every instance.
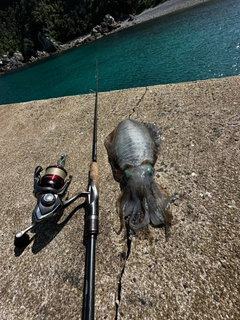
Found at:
(127, 174)
(149, 170)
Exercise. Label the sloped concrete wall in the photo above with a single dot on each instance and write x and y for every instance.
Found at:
(192, 276)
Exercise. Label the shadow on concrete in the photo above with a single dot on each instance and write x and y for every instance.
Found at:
(45, 232)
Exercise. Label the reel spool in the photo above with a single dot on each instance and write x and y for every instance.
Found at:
(54, 177)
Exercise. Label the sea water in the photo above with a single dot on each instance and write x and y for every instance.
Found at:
(197, 43)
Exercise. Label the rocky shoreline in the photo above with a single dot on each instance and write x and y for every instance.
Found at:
(108, 26)
(49, 47)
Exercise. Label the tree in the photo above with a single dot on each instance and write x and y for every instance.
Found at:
(61, 20)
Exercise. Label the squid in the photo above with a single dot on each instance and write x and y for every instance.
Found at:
(133, 148)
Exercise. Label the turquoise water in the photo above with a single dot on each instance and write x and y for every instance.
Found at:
(198, 43)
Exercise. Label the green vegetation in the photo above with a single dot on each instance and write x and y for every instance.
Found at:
(60, 20)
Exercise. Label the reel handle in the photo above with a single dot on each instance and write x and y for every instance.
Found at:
(22, 238)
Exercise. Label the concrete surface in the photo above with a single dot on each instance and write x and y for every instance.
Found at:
(195, 275)
(166, 8)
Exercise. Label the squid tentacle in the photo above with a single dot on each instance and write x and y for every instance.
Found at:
(162, 210)
(128, 207)
(146, 219)
(122, 202)
(143, 201)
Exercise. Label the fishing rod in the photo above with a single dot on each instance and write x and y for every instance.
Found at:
(49, 189)
(91, 222)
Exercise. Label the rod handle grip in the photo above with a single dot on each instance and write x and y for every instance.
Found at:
(94, 174)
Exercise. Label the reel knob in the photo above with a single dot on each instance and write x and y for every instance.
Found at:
(48, 199)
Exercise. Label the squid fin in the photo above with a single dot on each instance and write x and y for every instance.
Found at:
(117, 172)
(155, 134)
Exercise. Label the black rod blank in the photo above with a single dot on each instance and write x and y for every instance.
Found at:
(91, 224)
(94, 145)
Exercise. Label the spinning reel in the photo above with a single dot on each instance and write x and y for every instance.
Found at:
(49, 191)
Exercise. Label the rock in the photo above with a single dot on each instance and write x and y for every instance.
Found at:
(8, 64)
(42, 54)
(28, 53)
(97, 31)
(48, 45)
(4, 60)
(131, 17)
(109, 24)
(18, 59)
(13, 64)
(109, 20)
(18, 56)
(104, 27)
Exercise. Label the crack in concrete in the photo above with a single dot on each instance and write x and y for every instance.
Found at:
(119, 291)
(139, 101)
(129, 234)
